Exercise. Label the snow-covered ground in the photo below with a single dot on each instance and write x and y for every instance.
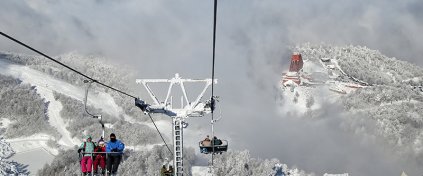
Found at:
(311, 94)
(296, 102)
(4, 123)
(41, 81)
(49, 84)
(32, 151)
(35, 159)
(55, 119)
(30, 143)
(35, 148)
(200, 171)
(344, 174)
(46, 85)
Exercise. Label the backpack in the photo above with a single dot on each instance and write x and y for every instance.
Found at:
(85, 144)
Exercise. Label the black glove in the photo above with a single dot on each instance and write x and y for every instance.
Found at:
(79, 150)
(114, 150)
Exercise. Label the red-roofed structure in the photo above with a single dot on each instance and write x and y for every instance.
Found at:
(296, 63)
(293, 76)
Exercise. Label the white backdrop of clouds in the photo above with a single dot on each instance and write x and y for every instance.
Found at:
(159, 38)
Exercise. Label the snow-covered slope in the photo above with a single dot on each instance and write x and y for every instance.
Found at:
(364, 64)
(46, 85)
(396, 113)
(372, 88)
(7, 167)
(54, 90)
(201, 171)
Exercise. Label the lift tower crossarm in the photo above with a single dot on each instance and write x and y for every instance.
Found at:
(192, 109)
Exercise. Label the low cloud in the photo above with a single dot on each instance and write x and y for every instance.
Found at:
(160, 38)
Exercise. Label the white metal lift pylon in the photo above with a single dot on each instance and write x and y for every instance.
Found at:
(187, 109)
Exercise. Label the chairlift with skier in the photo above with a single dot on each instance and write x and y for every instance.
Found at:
(214, 145)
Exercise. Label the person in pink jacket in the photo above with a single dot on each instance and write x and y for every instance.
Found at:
(86, 162)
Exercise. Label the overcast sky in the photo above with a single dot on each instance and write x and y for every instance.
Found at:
(159, 38)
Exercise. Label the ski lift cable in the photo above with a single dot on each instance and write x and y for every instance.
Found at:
(164, 141)
(91, 79)
(64, 65)
(214, 45)
(212, 86)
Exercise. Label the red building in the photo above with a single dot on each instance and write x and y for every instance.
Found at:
(293, 76)
(296, 63)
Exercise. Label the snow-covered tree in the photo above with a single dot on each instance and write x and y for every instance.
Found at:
(234, 163)
(21, 104)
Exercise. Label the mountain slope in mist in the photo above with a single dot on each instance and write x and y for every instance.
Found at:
(365, 64)
(381, 96)
(60, 93)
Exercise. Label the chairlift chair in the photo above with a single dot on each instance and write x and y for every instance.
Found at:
(211, 147)
(214, 145)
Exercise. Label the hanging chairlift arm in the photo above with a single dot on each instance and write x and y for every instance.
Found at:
(147, 108)
(98, 116)
(86, 97)
(142, 105)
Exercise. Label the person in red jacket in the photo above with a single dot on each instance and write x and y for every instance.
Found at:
(100, 159)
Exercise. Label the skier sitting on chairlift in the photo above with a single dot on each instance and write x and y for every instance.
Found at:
(87, 148)
(167, 169)
(206, 142)
(113, 159)
(216, 141)
(100, 158)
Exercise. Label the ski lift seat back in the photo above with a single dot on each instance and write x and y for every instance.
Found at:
(206, 147)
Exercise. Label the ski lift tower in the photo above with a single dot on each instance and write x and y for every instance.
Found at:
(187, 109)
